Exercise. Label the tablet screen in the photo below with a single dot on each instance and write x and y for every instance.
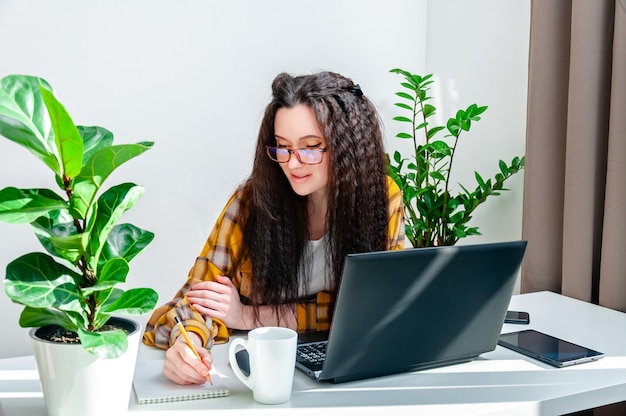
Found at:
(547, 348)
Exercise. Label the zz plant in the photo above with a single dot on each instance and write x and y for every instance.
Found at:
(75, 285)
(434, 214)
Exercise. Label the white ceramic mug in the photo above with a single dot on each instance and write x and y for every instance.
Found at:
(272, 353)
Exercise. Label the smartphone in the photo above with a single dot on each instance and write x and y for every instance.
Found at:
(549, 349)
(516, 317)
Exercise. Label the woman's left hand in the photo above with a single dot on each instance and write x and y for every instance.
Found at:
(219, 299)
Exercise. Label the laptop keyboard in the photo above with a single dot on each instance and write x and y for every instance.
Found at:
(313, 354)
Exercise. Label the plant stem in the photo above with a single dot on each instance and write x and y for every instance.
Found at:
(444, 209)
(88, 275)
(417, 161)
(421, 104)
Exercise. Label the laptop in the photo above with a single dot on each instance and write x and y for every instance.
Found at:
(413, 309)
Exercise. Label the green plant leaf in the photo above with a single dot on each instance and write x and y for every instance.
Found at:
(453, 127)
(125, 241)
(480, 181)
(503, 168)
(404, 136)
(405, 95)
(408, 86)
(466, 125)
(403, 119)
(37, 317)
(94, 139)
(68, 141)
(103, 162)
(112, 273)
(456, 217)
(426, 78)
(105, 344)
(24, 117)
(472, 231)
(400, 71)
(110, 207)
(441, 148)
(57, 233)
(433, 131)
(403, 105)
(133, 302)
(438, 176)
(429, 110)
(36, 280)
(473, 111)
(421, 126)
(23, 206)
(70, 247)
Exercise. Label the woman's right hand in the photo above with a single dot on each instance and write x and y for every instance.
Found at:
(181, 364)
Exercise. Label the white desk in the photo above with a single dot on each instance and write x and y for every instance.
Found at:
(500, 382)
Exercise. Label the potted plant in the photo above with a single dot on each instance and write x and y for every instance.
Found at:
(434, 214)
(72, 292)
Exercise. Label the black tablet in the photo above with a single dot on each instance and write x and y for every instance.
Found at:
(549, 349)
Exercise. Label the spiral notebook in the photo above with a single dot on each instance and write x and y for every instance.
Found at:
(151, 386)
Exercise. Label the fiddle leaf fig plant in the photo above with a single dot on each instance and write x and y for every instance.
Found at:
(434, 214)
(75, 284)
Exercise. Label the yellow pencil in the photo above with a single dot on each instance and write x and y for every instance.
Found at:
(182, 330)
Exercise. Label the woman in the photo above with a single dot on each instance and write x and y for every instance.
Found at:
(317, 192)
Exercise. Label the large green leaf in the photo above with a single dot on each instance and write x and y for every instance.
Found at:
(110, 207)
(70, 247)
(23, 206)
(133, 302)
(94, 139)
(36, 280)
(57, 233)
(69, 142)
(125, 241)
(36, 317)
(24, 117)
(105, 344)
(97, 169)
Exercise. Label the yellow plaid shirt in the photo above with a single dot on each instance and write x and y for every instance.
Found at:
(218, 258)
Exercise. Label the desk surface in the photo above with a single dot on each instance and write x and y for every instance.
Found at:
(500, 382)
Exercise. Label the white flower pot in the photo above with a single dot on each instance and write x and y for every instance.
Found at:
(77, 383)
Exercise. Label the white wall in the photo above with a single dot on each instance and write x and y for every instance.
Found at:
(478, 51)
(194, 77)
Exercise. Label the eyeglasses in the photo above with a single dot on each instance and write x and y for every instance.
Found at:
(306, 156)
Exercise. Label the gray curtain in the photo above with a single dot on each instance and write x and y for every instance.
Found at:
(575, 178)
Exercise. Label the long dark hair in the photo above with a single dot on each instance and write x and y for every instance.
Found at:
(276, 229)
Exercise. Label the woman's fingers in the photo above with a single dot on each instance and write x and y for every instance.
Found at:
(183, 367)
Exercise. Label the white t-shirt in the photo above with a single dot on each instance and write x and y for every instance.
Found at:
(316, 253)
